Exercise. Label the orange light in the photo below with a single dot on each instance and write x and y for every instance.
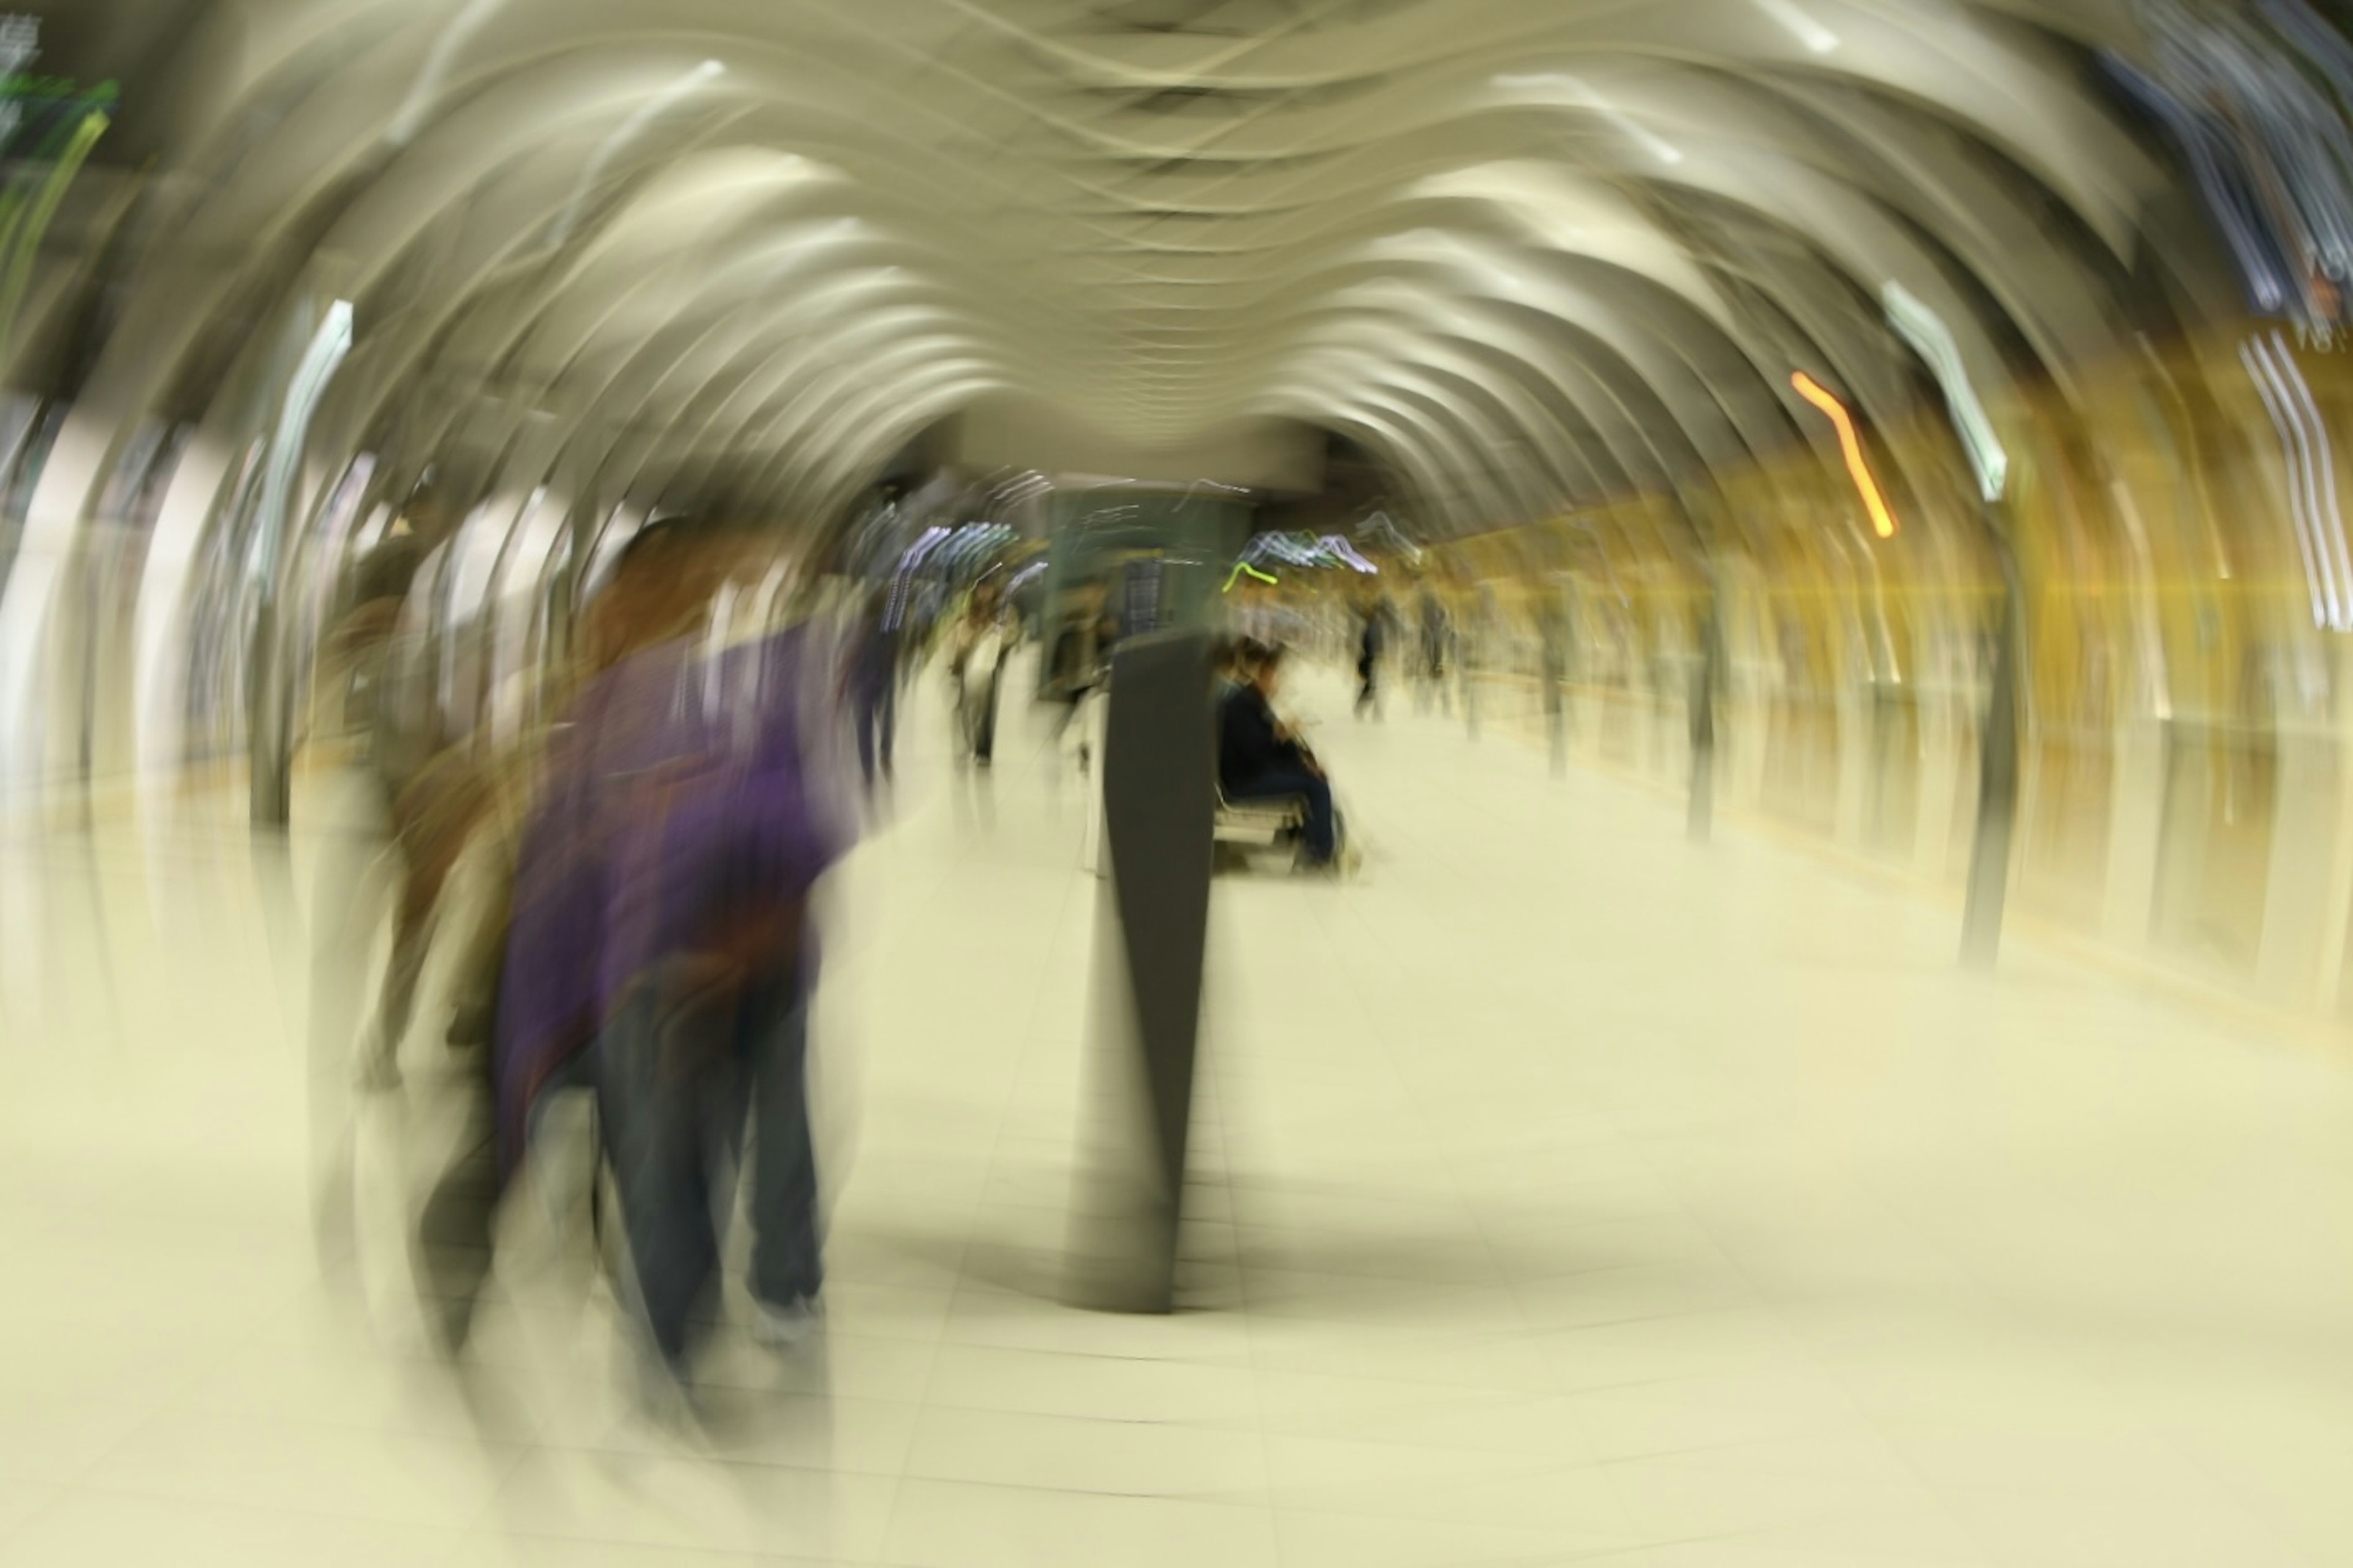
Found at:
(1883, 522)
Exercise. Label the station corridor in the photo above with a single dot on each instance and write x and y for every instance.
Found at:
(1565, 1192)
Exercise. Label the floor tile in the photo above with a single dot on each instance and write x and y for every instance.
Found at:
(1138, 1459)
(393, 1476)
(87, 1529)
(944, 1524)
(695, 1503)
(1128, 1388)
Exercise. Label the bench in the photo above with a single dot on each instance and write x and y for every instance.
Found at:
(1257, 822)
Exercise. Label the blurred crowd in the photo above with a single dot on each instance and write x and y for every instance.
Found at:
(618, 901)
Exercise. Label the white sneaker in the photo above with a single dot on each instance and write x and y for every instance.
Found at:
(781, 1328)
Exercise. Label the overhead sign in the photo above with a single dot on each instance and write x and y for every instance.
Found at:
(20, 46)
(1925, 330)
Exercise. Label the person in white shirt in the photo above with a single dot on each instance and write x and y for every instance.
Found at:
(976, 666)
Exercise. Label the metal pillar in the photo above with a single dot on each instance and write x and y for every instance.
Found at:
(1159, 804)
(1918, 325)
(269, 696)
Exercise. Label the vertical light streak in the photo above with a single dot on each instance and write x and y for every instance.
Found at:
(2320, 469)
(2291, 439)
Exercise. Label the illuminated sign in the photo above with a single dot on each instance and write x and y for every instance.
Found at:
(57, 110)
(1883, 522)
(1925, 330)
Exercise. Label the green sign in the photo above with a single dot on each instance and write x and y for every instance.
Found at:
(51, 123)
(25, 87)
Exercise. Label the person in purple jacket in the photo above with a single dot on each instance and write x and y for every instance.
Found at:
(660, 943)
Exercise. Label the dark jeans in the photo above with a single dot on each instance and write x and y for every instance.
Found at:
(457, 1230)
(1322, 826)
(678, 1077)
(878, 722)
(454, 1232)
(980, 717)
(1069, 699)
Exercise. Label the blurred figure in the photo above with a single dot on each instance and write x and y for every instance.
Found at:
(975, 667)
(1069, 674)
(1436, 637)
(1227, 670)
(1371, 644)
(1099, 639)
(452, 1241)
(526, 1004)
(1476, 634)
(1066, 664)
(918, 625)
(1552, 641)
(406, 802)
(434, 818)
(661, 935)
(528, 1001)
(874, 688)
(1260, 757)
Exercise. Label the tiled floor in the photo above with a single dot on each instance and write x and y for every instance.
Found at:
(1568, 1193)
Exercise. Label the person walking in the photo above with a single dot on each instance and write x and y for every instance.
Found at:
(1435, 635)
(406, 799)
(661, 936)
(874, 688)
(975, 668)
(1371, 644)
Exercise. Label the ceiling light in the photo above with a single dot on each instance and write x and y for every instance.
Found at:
(1817, 38)
(1933, 341)
(1883, 522)
(1564, 88)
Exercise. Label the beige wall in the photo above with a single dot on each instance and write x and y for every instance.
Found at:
(1022, 433)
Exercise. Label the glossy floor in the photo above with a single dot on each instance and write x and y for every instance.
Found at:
(1567, 1193)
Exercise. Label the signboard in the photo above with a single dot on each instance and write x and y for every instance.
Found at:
(41, 116)
(1140, 603)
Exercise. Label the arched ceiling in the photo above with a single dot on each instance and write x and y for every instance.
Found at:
(1528, 254)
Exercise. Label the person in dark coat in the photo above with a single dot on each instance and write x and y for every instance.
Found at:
(1370, 645)
(1261, 758)
(874, 686)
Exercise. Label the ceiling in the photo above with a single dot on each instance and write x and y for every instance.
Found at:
(1528, 256)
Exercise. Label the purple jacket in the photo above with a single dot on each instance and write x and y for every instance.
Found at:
(682, 789)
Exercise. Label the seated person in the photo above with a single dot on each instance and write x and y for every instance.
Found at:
(1261, 758)
(1071, 673)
